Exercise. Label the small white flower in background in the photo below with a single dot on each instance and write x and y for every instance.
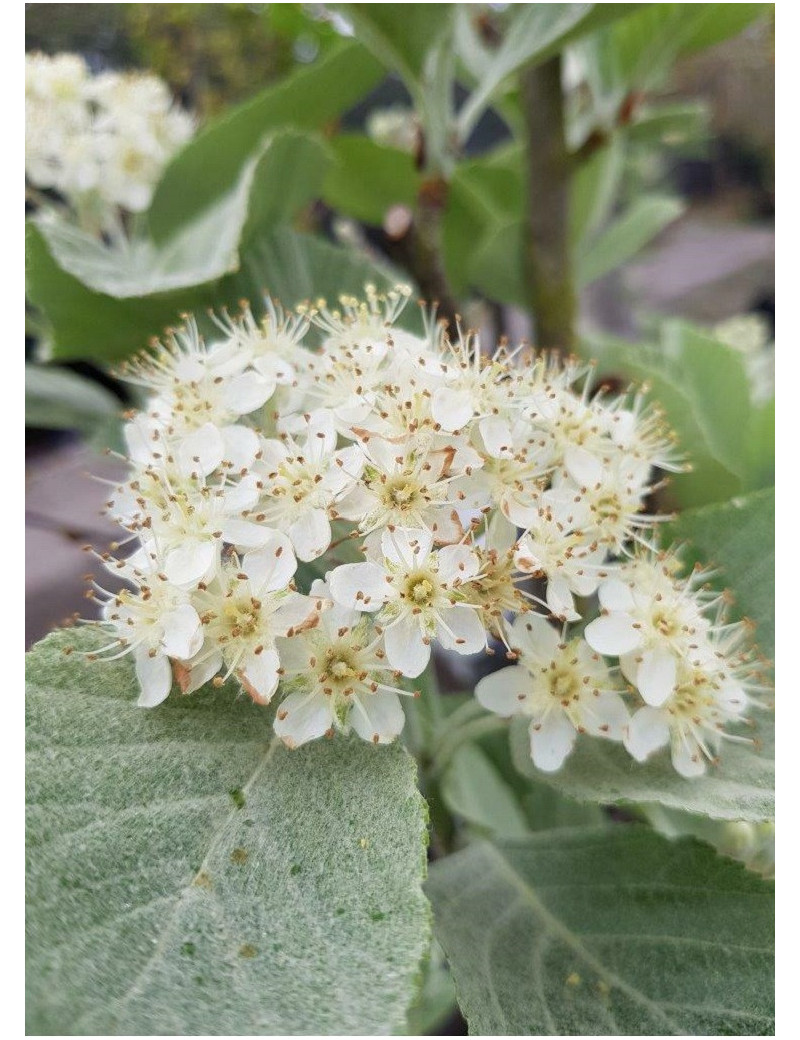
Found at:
(454, 481)
(562, 686)
(100, 142)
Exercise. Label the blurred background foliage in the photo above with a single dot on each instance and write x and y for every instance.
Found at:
(599, 177)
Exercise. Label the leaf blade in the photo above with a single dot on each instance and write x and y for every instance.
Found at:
(173, 872)
(578, 932)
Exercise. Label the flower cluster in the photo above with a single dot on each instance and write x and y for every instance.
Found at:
(101, 141)
(309, 520)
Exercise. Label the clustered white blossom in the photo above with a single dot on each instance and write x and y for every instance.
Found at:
(100, 141)
(434, 493)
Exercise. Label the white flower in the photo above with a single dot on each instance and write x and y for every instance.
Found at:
(243, 611)
(571, 562)
(651, 620)
(338, 678)
(419, 594)
(156, 623)
(692, 720)
(300, 480)
(563, 687)
(403, 487)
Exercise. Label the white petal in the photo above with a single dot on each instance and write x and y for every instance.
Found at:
(452, 409)
(244, 533)
(456, 563)
(246, 392)
(504, 691)
(532, 633)
(647, 731)
(377, 717)
(616, 595)
(242, 496)
(655, 676)
(202, 451)
(296, 612)
(552, 741)
(311, 535)
(155, 677)
(466, 633)
(560, 601)
(609, 715)
(271, 567)
(183, 632)
(613, 635)
(359, 586)
(241, 446)
(259, 675)
(406, 546)
(584, 468)
(405, 648)
(688, 760)
(497, 437)
(190, 562)
(192, 678)
(295, 653)
(303, 717)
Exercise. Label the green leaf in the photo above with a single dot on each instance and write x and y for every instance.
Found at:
(436, 1000)
(627, 234)
(58, 399)
(291, 266)
(760, 447)
(367, 179)
(309, 98)
(473, 789)
(285, 176)
(738, 537)
(187, 874)
(616, 932)
(533, 33)
(593, 191)
(484, 193)
(635, 53)
(702, 387)
(402, 37)
(294, 267)
(658, 125)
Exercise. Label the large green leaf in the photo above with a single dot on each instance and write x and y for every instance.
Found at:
(90, 324)
(311, 97)
(613, 932)
(188, 874)
(738, 537)
(626, 235)
(367, 179)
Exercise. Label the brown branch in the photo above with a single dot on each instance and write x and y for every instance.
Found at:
(548, 263)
